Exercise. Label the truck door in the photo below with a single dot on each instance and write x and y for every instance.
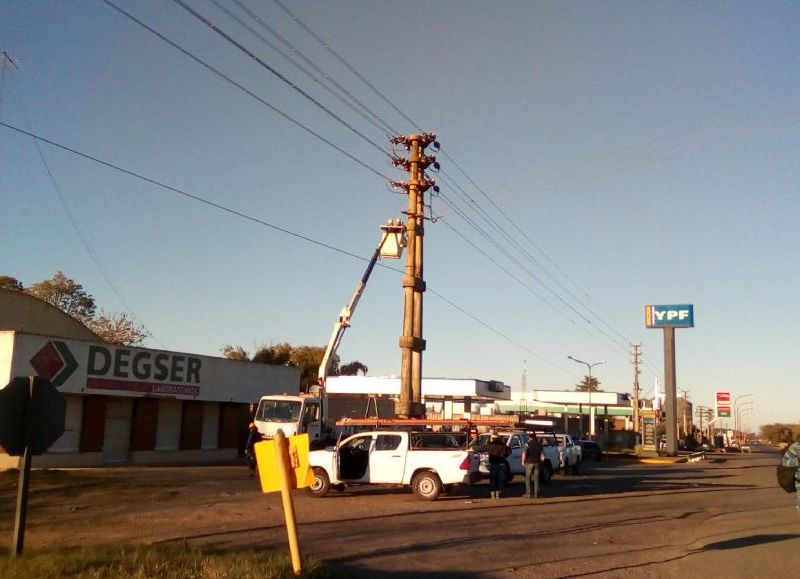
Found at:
(353, 458)
(387, 460)
(310, 420)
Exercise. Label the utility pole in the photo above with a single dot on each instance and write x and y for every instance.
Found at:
(685, 411)
(637, 355)
(411, 342)
(525, 386)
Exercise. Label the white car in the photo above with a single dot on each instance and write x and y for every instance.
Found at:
(516, 441)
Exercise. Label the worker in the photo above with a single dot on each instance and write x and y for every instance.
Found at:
(498, 451)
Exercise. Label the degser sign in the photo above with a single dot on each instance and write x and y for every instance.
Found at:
(680, 316)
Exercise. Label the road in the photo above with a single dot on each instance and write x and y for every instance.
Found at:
(723, 518)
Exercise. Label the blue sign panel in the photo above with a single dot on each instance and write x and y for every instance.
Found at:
(681, 316)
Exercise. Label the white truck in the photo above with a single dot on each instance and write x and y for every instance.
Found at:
(571, 454)
(388, 457)
(516, 441)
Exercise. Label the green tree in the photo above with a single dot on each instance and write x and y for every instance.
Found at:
(306, 358)
(10, 283)
(588, 385)
(353, 368)
(280, 354)
(68, 296)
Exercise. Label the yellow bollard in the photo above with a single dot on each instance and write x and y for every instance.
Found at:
(285, 472)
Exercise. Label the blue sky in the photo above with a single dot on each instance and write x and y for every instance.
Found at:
(638, 153)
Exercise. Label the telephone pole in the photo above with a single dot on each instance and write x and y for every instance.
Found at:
(411, 342)
(637, 358)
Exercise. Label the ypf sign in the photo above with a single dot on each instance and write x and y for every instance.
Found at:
(681, 316)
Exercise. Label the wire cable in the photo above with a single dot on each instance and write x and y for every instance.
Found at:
(384, 126)
(247, 91)
(266, 66)
(266, 224)
(346, 64)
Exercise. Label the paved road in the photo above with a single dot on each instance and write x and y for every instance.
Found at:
(618, 519)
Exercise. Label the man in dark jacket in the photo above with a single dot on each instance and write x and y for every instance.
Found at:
(498, 451)
(531, 458)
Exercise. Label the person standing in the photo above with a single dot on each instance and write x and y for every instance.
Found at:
(531, 459)
(791, 457)
(497, 451)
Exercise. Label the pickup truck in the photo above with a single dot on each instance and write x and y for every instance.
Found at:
(571, 454)
(390, 458)
(516, 441)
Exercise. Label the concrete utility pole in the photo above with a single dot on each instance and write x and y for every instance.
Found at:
(637, 355)
(411, 343)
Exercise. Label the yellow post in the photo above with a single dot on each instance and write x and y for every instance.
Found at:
(285, 472)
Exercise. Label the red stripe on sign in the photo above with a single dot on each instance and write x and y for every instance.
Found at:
(143, 387)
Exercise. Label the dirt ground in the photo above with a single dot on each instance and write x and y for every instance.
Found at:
(127, 504)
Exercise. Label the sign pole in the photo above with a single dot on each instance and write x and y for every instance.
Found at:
(671, 391)
(24, 476)
(285, 474)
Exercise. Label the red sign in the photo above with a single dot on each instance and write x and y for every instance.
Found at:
(723, 398)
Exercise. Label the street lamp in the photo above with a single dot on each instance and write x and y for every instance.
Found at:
(744, 407)
(736, 405)
(589, 386)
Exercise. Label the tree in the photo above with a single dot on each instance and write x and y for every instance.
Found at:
(353, 368)
(118, 329)
(306, 358)
(11, 283)
(234, 352)
(68, 296)
(588, 385)
(279, 354)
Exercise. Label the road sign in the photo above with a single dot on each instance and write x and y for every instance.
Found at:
(32, 414)
(680, 316)
(301, 475)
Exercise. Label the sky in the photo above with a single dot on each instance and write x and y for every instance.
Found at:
(595, 158)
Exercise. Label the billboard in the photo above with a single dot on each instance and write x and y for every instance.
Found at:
(678, 316)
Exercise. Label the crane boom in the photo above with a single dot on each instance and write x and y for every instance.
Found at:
(347, 311)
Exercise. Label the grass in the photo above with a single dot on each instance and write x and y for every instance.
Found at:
(162, 562)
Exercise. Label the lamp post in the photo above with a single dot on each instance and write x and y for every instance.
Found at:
(736, 405)
(745, 406)
(589, 387)
(748, 412)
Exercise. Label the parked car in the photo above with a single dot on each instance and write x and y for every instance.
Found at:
(591, 449)
(516, 441)
(571, 454)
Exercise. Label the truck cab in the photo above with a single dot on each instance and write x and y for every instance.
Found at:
(292, 414)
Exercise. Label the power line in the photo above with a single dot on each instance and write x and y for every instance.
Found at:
(247, 91)
(266, 224)
(266, 66)
(71, 218)
(365, 112)
(625, 340)
(346, 64)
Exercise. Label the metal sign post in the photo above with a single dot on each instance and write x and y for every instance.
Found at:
(32, 416)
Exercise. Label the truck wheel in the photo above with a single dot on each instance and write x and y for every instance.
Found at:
(576, 469)
(507, 474)
(546, 473)
(427, 486)
(321, 485)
